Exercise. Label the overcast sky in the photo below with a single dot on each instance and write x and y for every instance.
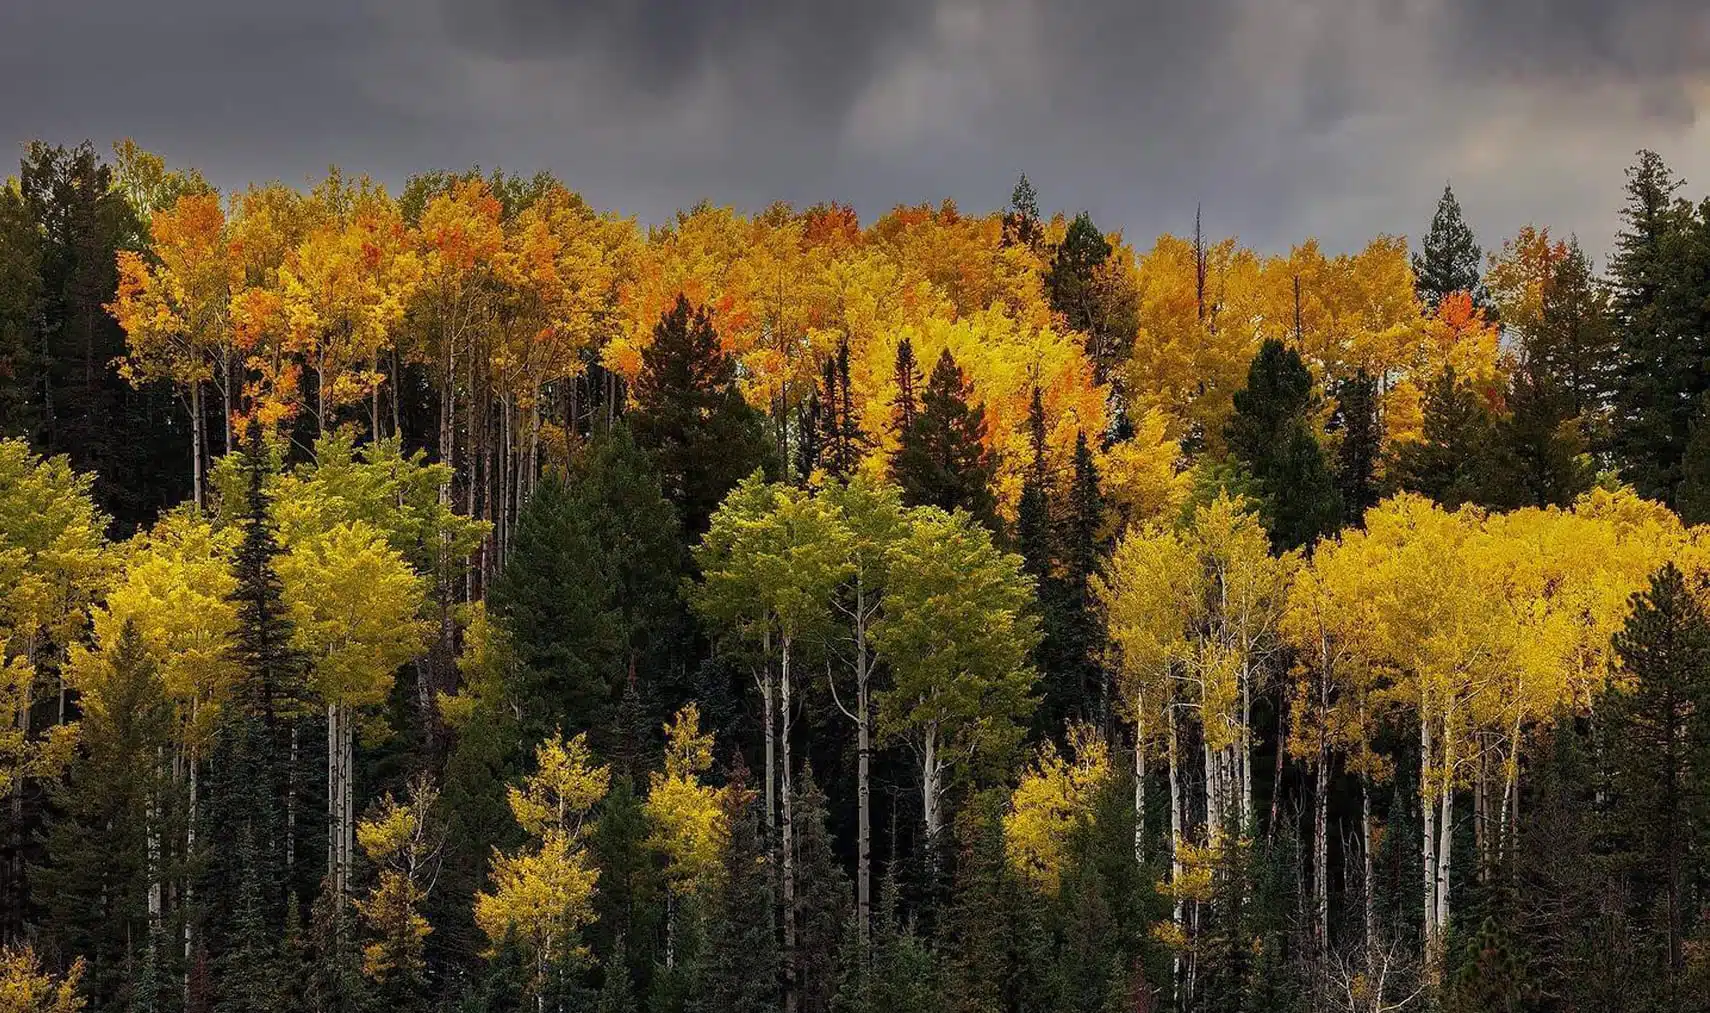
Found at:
(1285, 118)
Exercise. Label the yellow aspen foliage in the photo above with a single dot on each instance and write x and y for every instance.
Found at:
(26, 987)
(173, 587)
(355, 607)
(1149, 591)
(399, 839)
(543, 894)
(1056, 795)
(1005, 358)
(175, 303)
(343, 290)
(1519, 275)
(1142, 477)
(687, 817)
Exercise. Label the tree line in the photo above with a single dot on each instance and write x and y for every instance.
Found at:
(471, 600)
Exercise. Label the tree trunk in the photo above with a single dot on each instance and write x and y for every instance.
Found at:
(929, 787)
(1321, 849)
(1140, 778)
(864, 784)
(196, 438)
(1369, 860)
(1176, 821)
(791, 971)
(1428, 845)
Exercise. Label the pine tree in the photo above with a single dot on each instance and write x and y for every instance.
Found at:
(822, 899)
(1356, 418)
(1456, 461)
(741, 965)
(943, 459)
(690, 415)
(1693, 499)
(1449, 258)
(1660, 755)
(1662, 341)
(1271, 435)
(104, 839)
(908, 382)
(1021, 222)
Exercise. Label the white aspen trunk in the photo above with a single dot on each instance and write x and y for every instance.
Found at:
(929, 775)
(864, 786)
(1176, 821)
(196, 439)
(789, 891)
(1428, 835)
(190, 853)
(1140, 778)
(156, 889)
(1245, 741)
(1321, 849)
(1369, 860)
(1445, 827)
(769, 726)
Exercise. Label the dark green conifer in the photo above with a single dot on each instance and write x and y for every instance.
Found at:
(942, 459)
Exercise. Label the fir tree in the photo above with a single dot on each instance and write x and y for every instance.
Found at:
(1660, 753)
(1449, 258)
(822, 899)
(1693, 499)
(690, 415)
(273, 682)
(741, 965)
(1033, 512)
(1021, 222)
(1657, 276)
(908, 383)
(109, 819)
(1271, 435)
(942, 459)
(1356, 418)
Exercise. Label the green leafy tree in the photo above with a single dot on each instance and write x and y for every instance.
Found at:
(958, 630)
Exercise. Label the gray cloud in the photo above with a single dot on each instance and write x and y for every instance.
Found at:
(1335, 118)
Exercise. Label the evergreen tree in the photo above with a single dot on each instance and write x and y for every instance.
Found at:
(741, 965)
(1660, 755)
(272, 687)
(1542, 450)
(907, 377)
(1492, 975)
(1033, 528)
(1073, 632)
(822, 899)
(630, 902)
(1656, 274)
(1099, 303)
(690, 415)
(942, 459)
(992, 942)
(568, 646)
(109, 818)
(1356, 418)
(1448, 259)
(840, 439)
(1271, 435)
(1021, 225)
(1576, 346)
(1456, 461)
(617, 995)
(1693, 499)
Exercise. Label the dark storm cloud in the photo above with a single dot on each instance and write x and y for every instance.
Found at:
(1339, 118)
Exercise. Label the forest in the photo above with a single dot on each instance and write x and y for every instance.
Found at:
(468, 599)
